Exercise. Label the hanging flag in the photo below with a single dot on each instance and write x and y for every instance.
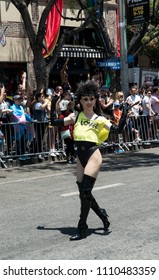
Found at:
(3, 38)
(107, 82)
(52, 28)
(117, 33)
(92, 3)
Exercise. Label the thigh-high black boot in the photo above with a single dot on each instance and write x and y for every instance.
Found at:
(85, 188)
(101, 213)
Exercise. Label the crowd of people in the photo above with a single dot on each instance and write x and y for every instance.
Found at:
(30, 114)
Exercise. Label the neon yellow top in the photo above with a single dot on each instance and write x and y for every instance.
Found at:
(90, 130)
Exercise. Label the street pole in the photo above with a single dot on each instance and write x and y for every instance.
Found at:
(123, 49)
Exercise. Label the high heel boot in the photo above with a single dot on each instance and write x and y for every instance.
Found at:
(85, 188)
(101, 213)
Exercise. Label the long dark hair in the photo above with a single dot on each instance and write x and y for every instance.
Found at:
(88, 88)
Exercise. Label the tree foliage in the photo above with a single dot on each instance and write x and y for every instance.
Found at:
(145, 37)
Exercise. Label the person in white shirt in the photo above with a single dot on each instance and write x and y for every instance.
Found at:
(146, 115)
(155, 100)
(133, 98)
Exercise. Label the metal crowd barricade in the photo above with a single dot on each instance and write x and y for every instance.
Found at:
(40, 139)
(139, 131)
(33, 140)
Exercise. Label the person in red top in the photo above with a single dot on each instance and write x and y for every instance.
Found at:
(116, 112)
(65, 109)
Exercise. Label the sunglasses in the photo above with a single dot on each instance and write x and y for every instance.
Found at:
(86, 99)
(1, 85)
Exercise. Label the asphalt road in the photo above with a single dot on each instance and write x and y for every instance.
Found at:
(39, 210)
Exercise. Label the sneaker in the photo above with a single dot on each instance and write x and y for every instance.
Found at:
(40, 157)
(22, 158)
(56, 153)
(52, 153)
(27, 157)
(1, 154)
(138, 139)
(119, 151)
(71, 161)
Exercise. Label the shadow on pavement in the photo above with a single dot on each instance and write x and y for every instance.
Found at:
(129, 160)
(111, 162)
(72, 230)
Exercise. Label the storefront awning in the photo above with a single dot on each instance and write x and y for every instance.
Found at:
(82, 52)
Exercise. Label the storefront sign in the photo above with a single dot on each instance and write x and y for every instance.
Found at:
(148, 77)
(137, 11)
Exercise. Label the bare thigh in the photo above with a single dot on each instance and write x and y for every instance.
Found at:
(92, 168)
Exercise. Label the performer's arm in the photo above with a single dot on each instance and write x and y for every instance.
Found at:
(119, 128)
(61, 122)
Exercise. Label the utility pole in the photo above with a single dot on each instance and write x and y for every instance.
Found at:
(123, 48)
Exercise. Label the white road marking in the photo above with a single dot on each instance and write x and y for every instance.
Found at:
(95, 189)
(33, 178)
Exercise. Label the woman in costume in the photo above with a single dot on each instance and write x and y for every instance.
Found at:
(90, 130)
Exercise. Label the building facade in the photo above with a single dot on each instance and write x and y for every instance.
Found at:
(16, 55)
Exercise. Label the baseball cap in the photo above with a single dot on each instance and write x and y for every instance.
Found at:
(63, 104)
(49, 91)
(116, 103)
(17, 96)
(104, 88)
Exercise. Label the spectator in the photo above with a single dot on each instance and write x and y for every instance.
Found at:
(134, 100)
(1, 141)
(50, 128)
(40, 107)
(156, 81)
(20, 117)
(65, 108)
(106, 102)
(120, 97)
(116, 112)
(5, 112)
(155, 100)
(57, 96)
(147, 113)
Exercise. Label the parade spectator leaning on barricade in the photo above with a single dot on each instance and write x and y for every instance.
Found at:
(147, 115)
(1, 141)
(5, 112)
(155, 100)
(135, 101)
(155, 108)
(39, 110)
(20, 118)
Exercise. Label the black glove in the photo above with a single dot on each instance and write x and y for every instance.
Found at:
(119, 128)
(54, 120)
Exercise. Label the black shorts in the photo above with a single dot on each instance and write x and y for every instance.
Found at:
(85, 150)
